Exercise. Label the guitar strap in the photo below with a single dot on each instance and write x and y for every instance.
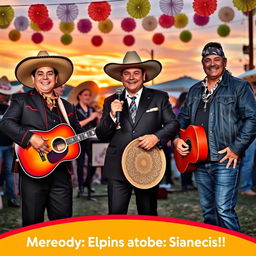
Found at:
(63, 110)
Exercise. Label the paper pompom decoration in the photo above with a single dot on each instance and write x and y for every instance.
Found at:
(21, 23)
(34, 26)
(6, 15)
(38, 13)
(166, 21)
(200, 20)
(244, 5)
(138, 8)
(158, 38)
(4, 26)
(253, 12)
(14, 35)
(97, 40)
(226, 14)
(185, 36)
(223, 30)
(47, 26)
(105, 26)
(67, 12)
(66, 27)
(181, 20)
(128, 40)
(171, 7)
(66, 39)
(205, 7)
(128, 24)
(149, 23)
(99, 11)
(37, 38)
(84, 25)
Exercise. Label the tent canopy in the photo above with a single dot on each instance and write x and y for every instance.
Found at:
(250, 75)
(181, 84)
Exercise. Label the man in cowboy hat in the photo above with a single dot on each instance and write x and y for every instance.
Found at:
(41, 109)
(145, 114)
(6, 144)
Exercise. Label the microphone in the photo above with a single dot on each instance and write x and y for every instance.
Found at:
(119, 92)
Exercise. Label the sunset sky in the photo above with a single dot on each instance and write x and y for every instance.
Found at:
(178, 58)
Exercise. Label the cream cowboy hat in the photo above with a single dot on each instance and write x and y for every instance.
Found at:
(89, 85)
(62, 64)
(6, 88)
(132, 60)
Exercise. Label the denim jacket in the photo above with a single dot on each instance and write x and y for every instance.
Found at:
(232, 115)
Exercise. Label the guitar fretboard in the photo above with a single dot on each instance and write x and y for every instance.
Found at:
(80, 136)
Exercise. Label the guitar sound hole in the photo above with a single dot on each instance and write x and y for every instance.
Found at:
(59, 145)
(188, 141)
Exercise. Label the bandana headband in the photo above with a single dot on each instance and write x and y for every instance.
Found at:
(211, 50)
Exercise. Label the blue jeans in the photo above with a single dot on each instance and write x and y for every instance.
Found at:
(218, 189)
(247, 167)
(6, 159)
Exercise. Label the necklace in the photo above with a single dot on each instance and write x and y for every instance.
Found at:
(208, 93)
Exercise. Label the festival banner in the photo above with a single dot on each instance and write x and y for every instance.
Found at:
(125, 235)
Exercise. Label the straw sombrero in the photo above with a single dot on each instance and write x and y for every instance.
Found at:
(143, 168)
(90, 85)
(62, 64)
(132, 60)
(6, 88)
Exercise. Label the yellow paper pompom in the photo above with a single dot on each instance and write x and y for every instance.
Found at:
(67, 27)
(181, 20)
(138, 8)
(4, 26)
(245, 5)
(34, 26)
(105, 26)
(6, 15)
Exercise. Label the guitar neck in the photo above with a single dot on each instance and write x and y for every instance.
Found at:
(80, 136)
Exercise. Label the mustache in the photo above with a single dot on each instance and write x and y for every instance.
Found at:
(132, 80)
(214, 66)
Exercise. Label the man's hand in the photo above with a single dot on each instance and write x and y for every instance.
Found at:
(93, 115)
(181, 146)
(39, 144)
(116, 106)
(231, 156)
(148, 141)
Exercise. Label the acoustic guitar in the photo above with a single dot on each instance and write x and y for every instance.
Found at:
(64, 146)
(196, 139)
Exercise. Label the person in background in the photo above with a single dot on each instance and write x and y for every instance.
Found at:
(225, 106)
(6, 144)
(41, 109)
(247, 168)
(60, 90)
(248, 165)
(88, 118)
(186, 177)
(145, 114)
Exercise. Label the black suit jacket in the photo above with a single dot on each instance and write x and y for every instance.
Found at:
(154, 116)
(27, 112)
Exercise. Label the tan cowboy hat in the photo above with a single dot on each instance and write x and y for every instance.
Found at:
(132, 60)
(90, 85)
(62, 64)
(143, 168)
(6, 88)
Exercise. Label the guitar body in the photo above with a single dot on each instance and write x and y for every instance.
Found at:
(40, 166)
(196, 138)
